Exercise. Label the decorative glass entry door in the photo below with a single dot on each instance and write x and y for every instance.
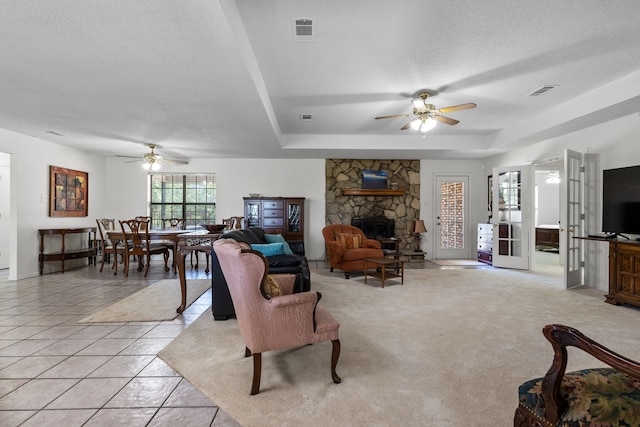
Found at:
(451, 217)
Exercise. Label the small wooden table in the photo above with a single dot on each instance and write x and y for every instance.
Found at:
(396, 264)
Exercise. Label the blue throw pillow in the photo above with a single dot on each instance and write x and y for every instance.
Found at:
(277, 238)
(268, 249)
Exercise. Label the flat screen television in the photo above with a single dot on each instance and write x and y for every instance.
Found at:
(621, 200)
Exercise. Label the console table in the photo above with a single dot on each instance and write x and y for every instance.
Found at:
(90, 251)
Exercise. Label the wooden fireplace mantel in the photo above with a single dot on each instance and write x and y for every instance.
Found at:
(372, 192)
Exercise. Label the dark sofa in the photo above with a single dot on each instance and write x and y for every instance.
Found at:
(296, 263)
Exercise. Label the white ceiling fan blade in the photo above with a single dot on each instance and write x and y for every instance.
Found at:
(175, 161)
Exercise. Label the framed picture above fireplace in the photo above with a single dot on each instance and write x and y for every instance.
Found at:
(374, 179)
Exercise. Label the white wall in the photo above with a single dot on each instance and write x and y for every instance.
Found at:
(235, 179)
(30, 159)
(118, 189)
(616, 144)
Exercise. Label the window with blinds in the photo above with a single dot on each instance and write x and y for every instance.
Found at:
(191, 197)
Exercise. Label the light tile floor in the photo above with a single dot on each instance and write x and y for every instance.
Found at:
(57, 372)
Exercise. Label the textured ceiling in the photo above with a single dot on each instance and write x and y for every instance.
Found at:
(206, 78)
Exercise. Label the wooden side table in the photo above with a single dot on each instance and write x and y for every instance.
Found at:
(383, 274)
(395, 252)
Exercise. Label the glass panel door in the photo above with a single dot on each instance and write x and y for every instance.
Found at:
(452, 222)
(572, 248)
(294, 227)
(511, 223)
(252, 213)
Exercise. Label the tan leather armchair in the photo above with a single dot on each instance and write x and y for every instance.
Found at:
(271, 322)
(347, 247)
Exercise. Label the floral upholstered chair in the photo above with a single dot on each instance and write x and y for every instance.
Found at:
(602, 397)
(270, 317)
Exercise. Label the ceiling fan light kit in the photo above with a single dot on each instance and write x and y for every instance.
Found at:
(427, 115)
(152, 161)
(151, 164)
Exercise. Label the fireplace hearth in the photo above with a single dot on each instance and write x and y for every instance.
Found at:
(375, 227)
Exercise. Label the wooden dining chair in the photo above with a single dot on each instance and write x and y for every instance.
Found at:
(237, 222)
(106, 245)
(228, 223)
(144, 218)
(139, 245)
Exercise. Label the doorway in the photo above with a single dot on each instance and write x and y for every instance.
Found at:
(547, 260)
(5, 205)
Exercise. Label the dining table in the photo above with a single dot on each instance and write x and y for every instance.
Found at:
(168, 235)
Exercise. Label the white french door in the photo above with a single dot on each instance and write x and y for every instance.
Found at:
(512, 197)
(572, 218)
(452, 223)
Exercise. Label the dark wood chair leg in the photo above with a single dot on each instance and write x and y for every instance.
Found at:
(335, 355)
(347, 275)
(257, 371)
(102, 263)
(146, 269)
(331, 270)
(126, 267)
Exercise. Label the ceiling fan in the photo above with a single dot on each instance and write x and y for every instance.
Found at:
(152, 160)
(427, 115)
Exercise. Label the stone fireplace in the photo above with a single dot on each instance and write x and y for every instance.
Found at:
(375, 227)
(398, 208)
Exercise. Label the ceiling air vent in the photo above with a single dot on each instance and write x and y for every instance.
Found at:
(542, 90)
(303, 30)
(305, 117)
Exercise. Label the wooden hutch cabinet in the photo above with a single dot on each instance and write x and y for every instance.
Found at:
(276, 215)
(624, 273)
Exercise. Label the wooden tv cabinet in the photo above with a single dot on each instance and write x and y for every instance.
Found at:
(624, 273)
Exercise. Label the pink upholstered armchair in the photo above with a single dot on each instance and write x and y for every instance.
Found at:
(272, 322)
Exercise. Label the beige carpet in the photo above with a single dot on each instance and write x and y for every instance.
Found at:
(454, 262)
(156, 302)
(449, 348)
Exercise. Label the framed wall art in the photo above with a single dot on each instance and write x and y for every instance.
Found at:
(374, 179)
(68, 192)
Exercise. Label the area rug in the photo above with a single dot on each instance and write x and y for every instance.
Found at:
(156, 302)
(447, 348)
(456, 262)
